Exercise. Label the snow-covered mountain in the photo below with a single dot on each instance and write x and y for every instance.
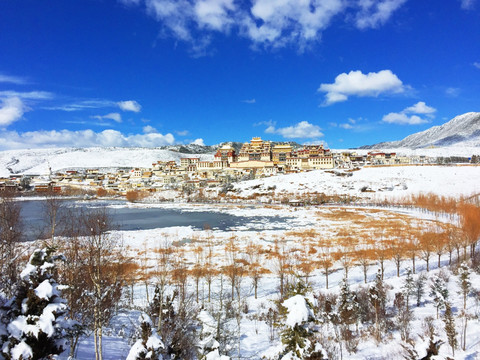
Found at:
(461, 131)
(38, 161)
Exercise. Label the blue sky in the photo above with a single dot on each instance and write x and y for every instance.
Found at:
(159, 72)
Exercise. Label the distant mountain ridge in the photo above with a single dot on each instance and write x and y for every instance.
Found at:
(40, 161)
(462, 130)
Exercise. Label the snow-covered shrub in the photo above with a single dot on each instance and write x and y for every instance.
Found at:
(298, 326)
(177, 326)
(438, 293)
(408, 287)
(36, 327)
(420, 288)
(378, 299)
(208, 345)
(149, 345)
(348, 308)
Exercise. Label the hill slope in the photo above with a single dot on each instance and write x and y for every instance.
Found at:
(462, 130)
(38, 161)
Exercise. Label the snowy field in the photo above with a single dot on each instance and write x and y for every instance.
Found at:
(382, 182)
(308, 233)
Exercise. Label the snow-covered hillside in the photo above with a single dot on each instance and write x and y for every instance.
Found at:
(462, 130)
(381, 182)
(38, 161)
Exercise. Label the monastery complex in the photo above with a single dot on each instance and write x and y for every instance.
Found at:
(256, 159)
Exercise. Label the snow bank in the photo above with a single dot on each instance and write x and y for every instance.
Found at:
(298, 310)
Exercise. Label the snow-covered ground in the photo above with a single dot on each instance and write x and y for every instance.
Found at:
(382, 182)
(324, 222)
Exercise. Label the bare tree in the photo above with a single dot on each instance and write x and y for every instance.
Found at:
(470, 224)
(210, 269)
(413, 248)
(255, 269)
(397, 244)
(440, 244)
(179, 272)
(198, 269)
(281, 265)
(364, 258)
(53, 208)
(105, 266)
(162, 276)
(325, 261)
(427, 240)
(11, 232)
(74, 274)
(382, 254)
(235, 267)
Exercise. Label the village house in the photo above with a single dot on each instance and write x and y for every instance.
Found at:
(381, 158)
(310, 157)
(189, 162)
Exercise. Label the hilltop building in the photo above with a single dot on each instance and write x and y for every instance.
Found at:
(255, 155)
(280, 154)
(226, 154)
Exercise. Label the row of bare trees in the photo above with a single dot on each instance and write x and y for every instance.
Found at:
(95, 269)
(95, 272)
(300, 253)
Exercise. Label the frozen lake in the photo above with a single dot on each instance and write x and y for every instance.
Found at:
(140, 217)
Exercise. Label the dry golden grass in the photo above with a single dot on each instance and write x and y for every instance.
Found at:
(307, 233)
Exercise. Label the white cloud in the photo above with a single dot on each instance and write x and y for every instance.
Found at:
(277, 23)
(149, 140)
(355, 83)
(112, 116)
(198, 142)
(83, 105)
(452, 92)
(183, 133)
(175, 15)
(375, 13)
(130, 2)
(29, 95)
(349, 125)
(214, 13)
(11, 110)
(476, 64)
(265, 123)
(302, 130)
(17, 80)
(420, 108)
(467, 4)
(149, 130)
(129, 105)
(249, 101)
(269, 23)
(403, 117)
(82, 138)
